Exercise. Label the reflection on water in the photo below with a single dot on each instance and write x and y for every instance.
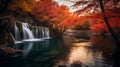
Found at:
(37, 54)
(94, 53)
(69, 52)
(30, 45)
(85, 56)
(106, 45)
(27, 48)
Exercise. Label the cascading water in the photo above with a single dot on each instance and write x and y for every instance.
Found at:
(17, 34)
(27, 33)
(46, 32)
(40, 32)
(43, 32)
(35, 33)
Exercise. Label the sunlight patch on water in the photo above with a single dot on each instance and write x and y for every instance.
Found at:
(82, 44)
(82, 54)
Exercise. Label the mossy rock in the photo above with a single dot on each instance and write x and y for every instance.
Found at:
(19, 26)
(30, 26)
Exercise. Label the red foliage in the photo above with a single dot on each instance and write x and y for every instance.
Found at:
(69, 21)
(42, 9)
(48, 11)
(99, 28)
(80, 22)
(114, 20)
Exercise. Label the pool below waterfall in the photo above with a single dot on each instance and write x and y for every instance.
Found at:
(70, 51)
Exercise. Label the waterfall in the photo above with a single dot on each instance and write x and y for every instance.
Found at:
(33, 33)
(27, 33)
(17, 34)
(40, 32)
(43, 32)
(47, 33)
(36, 32)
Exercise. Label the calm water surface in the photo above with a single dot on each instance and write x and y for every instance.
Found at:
(71, 51)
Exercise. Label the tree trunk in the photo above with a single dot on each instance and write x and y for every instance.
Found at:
(108, 25)
(116, 54)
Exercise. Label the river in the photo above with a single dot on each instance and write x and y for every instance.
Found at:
(69, 51)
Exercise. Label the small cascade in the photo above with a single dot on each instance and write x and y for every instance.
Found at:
(40, 32)
(32, 33)
(43, 32)
(27, 33)
(36, 32)
(46, 34)
(17, 34)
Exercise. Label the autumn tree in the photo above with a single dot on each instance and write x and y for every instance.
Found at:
(113, 18)
(46, 11)
(80, 22)
(94, 6)
(50, 14)
(102, 6)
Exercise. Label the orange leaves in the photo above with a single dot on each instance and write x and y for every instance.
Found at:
(69, 22)
(50, 13)
(81, 22)
(42, 10)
